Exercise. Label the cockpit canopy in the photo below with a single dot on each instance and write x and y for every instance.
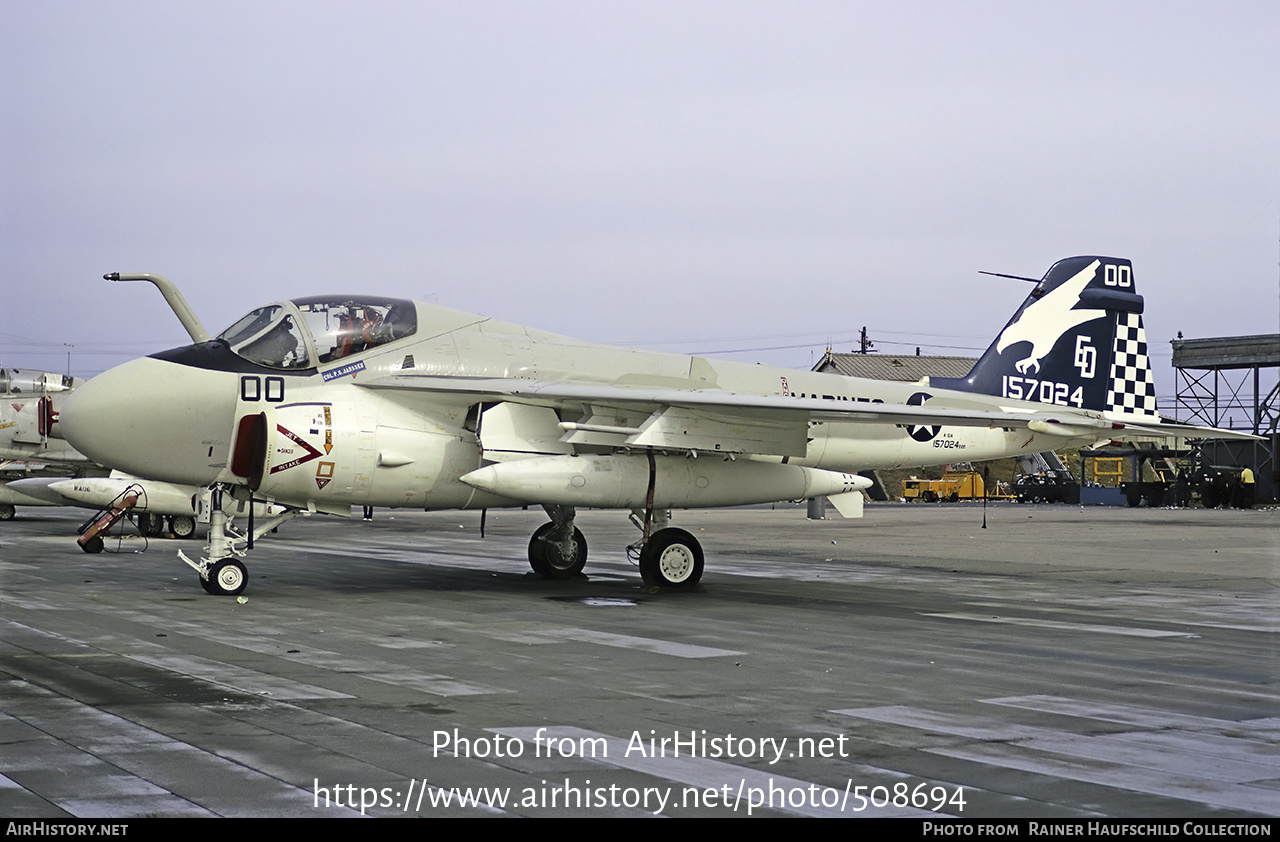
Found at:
(310, 332)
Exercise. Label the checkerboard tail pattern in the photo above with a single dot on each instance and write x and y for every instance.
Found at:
(1132, 391)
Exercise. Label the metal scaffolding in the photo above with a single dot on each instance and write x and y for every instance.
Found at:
(1233, 382)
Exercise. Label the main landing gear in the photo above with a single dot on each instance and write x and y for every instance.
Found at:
(153, 525)
(671, 558)
(558, 549)
(221, 572)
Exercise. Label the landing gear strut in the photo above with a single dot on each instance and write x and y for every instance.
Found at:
(221, 573)
(558, 549)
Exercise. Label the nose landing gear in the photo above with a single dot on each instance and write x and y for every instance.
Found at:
(228, 577)
(221, 572)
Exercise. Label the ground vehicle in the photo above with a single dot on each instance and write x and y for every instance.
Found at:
(954, 486)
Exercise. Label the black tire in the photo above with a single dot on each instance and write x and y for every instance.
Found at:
(182, 526)
(7, 511)
(93, 545)
(150, 525)
(545, 559)
(537, 558)
(227, 578)
(672, 558)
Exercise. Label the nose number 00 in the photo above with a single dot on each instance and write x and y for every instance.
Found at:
(252, 388)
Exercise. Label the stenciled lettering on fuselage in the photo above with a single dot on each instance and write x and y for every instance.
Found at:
(319, 421)
(311, 452)
(917, 432)
(831, 397)
(342, 371)
(947, 441)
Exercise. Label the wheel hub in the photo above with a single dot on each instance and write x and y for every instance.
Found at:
(229, 577)
(676, 563)
(562, 554)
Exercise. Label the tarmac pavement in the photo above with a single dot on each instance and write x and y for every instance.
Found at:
(1061, 662)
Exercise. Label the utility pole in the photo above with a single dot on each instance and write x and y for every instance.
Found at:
(865, 345)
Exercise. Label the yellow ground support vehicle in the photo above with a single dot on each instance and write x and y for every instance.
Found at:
(954, 485)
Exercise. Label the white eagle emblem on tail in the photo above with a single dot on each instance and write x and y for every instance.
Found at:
(1043, 322)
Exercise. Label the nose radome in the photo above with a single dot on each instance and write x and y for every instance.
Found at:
(154, 419)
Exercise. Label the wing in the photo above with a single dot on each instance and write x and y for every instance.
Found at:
(721, 421)
(764, 407)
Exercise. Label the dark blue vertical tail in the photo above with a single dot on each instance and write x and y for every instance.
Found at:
(1076, 341)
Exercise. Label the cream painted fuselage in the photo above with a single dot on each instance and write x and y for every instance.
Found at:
(377, 429)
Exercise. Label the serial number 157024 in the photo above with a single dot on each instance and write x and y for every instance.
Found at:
(1042, 391)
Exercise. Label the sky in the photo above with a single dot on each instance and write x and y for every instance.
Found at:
(752, 180)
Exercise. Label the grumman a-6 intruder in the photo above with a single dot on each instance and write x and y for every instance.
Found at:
(322, 403)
